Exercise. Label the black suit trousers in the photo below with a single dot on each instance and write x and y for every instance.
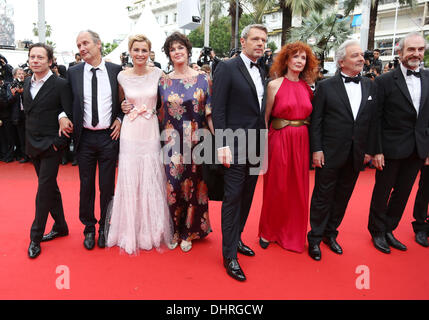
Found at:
(239, 187)
(7, 137)
(333, 188)
(391, 192)
(96, 147)
(420, 212)
(48, 197)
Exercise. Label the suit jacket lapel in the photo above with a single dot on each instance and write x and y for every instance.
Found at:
(246, 75)
(424, 80)
(400, 82)
(365, 94)
(80, 75)
(28, 99)
(341, 89)
(113, 87)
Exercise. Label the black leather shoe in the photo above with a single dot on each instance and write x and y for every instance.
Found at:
(422, 238)
(380, 243)
(393, 242)
(314, 252)
(54, 234)
(24, 160)
(263, 244)
(333, 245)
(89, 241)
(243, 249)
(233, 269)
(34, 249)
(74, 163)
(101, 240)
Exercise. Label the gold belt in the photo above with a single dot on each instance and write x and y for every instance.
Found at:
(278, 123)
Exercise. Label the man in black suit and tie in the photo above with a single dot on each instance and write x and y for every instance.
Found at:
(402, 141)
(45, 97)
(420, 212)
(343, 109)
(96, 127)
(238, 107)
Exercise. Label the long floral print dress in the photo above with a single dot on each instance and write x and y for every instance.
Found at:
(185, 104)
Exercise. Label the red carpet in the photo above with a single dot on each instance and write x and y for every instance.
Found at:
(273, 274)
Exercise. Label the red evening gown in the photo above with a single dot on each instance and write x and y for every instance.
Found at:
(284, 215)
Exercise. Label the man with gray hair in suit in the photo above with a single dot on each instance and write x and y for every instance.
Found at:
(96, 124)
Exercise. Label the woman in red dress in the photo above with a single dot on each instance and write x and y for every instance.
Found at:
(284, 215)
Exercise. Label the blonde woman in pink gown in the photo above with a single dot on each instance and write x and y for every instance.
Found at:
(139, 217)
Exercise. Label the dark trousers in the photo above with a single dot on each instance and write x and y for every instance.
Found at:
(7, 143)
(239, 187)
(391, 192)
(48, 197)
(333, 188)
(420, 212)
(20, 143)
(96, 147)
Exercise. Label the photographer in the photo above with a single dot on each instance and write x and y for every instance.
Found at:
(6, 129)
(266, 61)
(18, 115)
(376, 62)
(5, 70)
(208, 56)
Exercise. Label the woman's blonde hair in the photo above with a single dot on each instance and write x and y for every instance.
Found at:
(138, 38)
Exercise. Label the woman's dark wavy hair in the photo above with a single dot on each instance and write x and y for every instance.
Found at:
(176, 37)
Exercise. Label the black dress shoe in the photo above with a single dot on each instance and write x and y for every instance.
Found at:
(34, 249)
(314, 252)
(74, 163)
(24, 160)
(263, 244)
(89, 241)
(422, 238)
(54, 234)
(380, 243)
(233, 269)
(333, 245)
(101, 240)
(393, 242)
(243, 249)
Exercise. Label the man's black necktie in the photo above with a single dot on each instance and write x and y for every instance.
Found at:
(413, 73)
(94, 97)
(354, 79)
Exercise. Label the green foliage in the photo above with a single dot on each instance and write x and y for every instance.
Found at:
(272, 46)
(220, 34)
(317, 27)
(108, 47)
(48, 28)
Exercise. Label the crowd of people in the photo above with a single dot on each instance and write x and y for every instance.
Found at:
(182, 138)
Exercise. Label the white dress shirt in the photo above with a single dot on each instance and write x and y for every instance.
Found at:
(414, 87)
(256, 77)
(36, 85)
(104, 97)
(354, 92)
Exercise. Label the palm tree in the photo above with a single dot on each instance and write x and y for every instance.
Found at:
(257, 8)
(325, 32)
(350, 5)
(299, 7)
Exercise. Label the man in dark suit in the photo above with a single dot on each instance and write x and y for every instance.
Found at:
(6, 128)
(96, 124)
(152, 59)
(402, 140)
(45, 97)
(420, 212)
(238, 107)
(78, 59)
(343, 108)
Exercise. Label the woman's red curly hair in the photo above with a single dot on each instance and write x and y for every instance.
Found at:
(279, 67)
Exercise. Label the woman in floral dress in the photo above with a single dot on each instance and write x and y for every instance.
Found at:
(185, 108)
